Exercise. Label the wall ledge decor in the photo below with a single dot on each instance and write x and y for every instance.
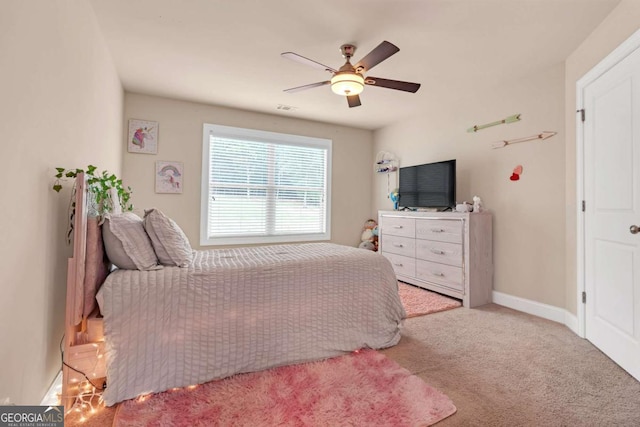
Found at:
(539, 137)
(510, 119)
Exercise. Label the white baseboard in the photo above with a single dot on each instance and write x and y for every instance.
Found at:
(51, 398)
(571, 322)
(539, 309)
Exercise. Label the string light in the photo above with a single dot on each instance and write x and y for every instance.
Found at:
(142, 398)
(88, 399)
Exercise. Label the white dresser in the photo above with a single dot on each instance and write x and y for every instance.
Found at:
(446, 252)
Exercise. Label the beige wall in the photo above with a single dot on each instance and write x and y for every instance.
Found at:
(180, 139)
(528, 221)
(616, 28)
(61, 105)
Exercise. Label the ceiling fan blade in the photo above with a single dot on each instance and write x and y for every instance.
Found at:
(383, 51)
(305, 87)
(353, 101)
(393, 84)
(301, 59)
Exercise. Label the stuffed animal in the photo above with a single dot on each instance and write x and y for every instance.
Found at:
(367, 245)
(376, 233)
(367, 235)
(369, 238)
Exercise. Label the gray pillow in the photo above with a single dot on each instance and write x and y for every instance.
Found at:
(127, 244)
(169, 241)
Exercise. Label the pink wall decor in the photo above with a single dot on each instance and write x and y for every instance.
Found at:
(517, 171)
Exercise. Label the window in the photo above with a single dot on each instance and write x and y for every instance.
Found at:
(264, 187)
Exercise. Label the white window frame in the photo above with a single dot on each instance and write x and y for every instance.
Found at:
(260, 136)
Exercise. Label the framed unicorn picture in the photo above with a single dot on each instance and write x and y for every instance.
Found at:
(169, 177)
(143, 137)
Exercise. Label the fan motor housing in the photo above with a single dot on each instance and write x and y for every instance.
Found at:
(347, 50)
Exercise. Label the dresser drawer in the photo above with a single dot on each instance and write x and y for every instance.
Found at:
(402, 265)
(399, 245)
(395, 226)
(442, 252)
(442, 274)
(442, 230)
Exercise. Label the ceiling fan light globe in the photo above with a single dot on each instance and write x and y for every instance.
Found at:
(347, 84)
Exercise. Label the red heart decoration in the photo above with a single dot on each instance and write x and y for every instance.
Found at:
(514, 177)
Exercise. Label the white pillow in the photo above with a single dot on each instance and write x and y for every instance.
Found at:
(169, 241)
(127, 244)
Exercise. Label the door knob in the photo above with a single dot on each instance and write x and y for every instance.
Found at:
(634, 229)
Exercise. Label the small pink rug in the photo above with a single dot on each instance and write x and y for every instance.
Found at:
(418, 302)
(363, 388)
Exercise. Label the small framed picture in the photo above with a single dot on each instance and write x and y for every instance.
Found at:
(169, 177)
(143, 137)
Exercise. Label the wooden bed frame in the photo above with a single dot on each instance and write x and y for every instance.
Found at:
(83, 357)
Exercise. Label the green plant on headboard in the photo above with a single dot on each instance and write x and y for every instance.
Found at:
(100, 186)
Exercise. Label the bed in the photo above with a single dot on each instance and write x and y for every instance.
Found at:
(238, 310)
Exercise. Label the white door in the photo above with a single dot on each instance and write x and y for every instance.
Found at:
(612, 196)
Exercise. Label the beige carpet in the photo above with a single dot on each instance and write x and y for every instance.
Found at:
(501, 367)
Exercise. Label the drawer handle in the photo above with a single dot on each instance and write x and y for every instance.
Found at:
(437, 251)
(398, 264)
(438, 274)
(437, 230)
(397, 226)
(398, 245)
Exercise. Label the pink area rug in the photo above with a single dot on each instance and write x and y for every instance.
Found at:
(359, 389)
(418, 302)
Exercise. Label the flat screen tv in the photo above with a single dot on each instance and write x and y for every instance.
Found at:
(432, 185)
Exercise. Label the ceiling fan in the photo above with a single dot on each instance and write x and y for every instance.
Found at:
(349, 80)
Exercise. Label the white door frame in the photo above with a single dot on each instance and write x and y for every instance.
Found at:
(618, 54)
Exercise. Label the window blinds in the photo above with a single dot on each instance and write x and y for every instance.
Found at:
(266, 188)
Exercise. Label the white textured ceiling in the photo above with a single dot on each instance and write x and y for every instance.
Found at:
(227, 52)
